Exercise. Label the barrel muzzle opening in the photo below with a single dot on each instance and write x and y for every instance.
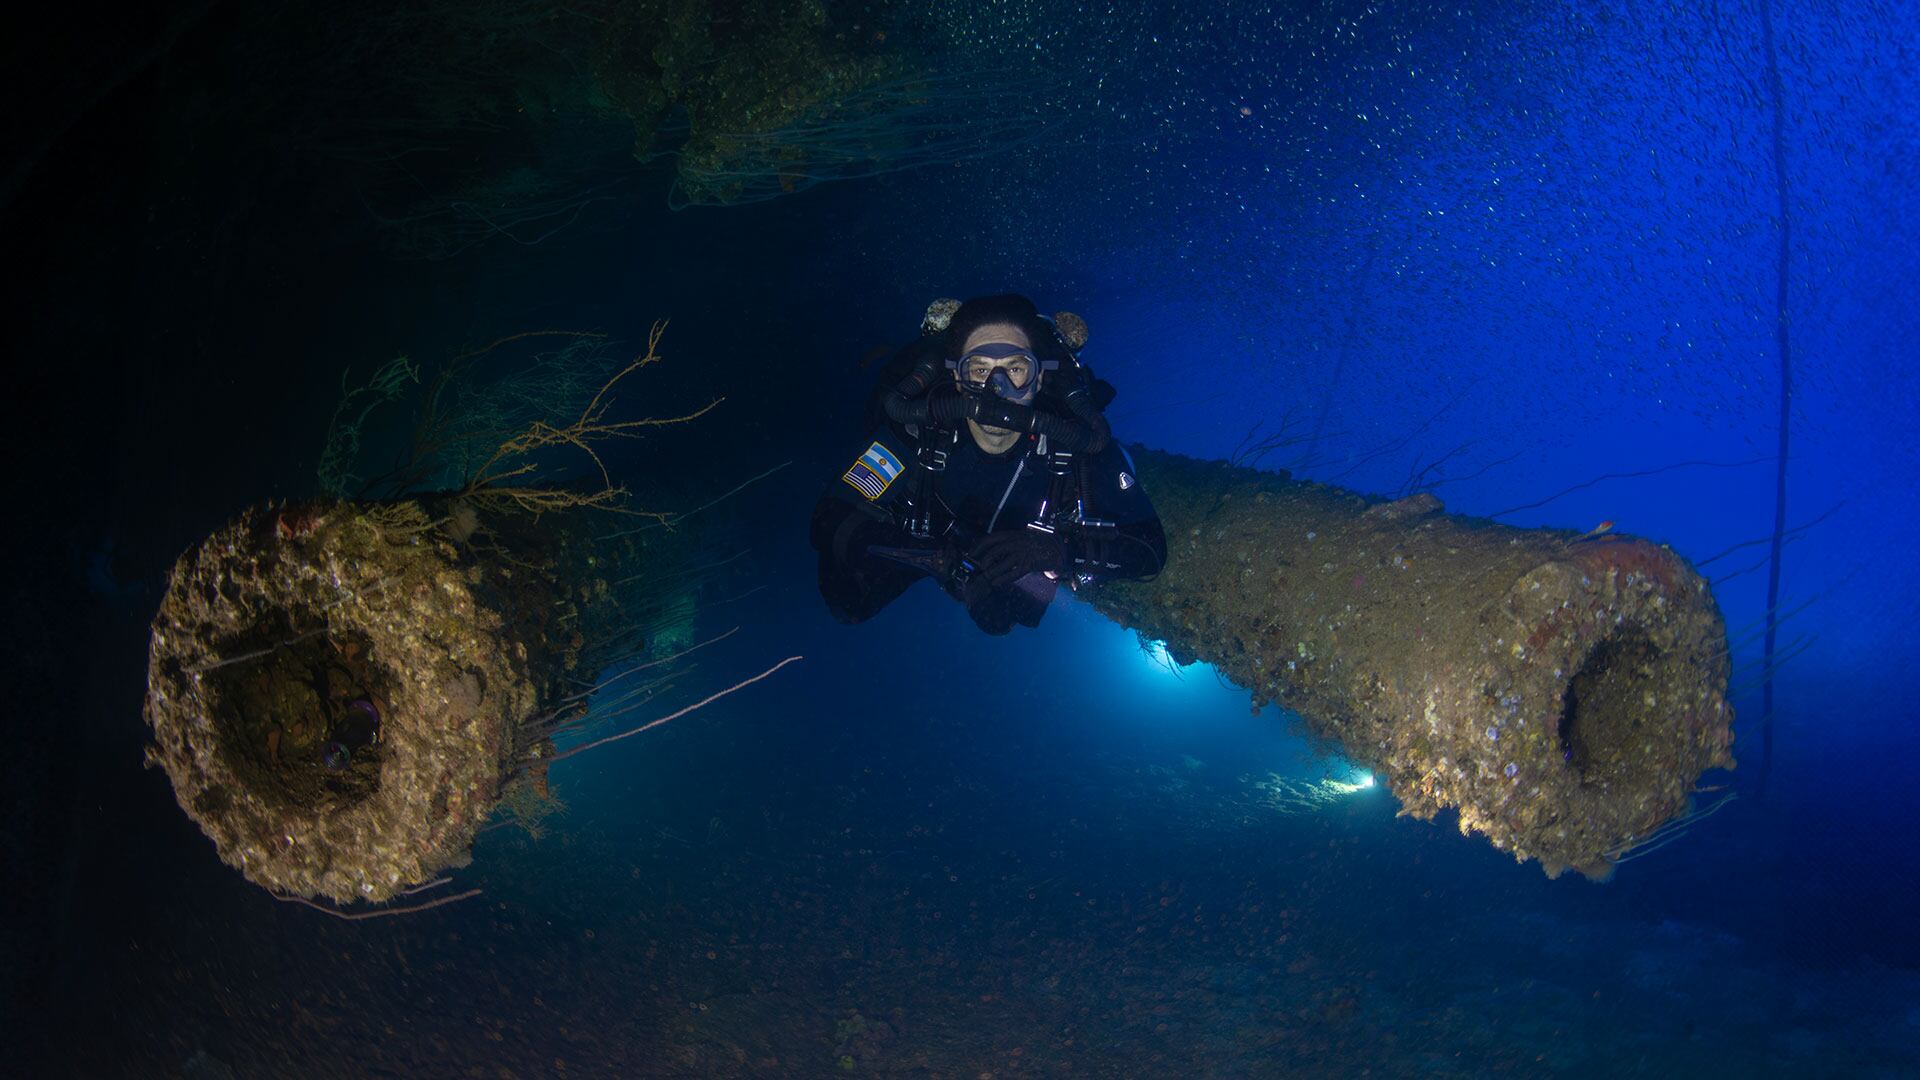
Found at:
(1610, 729)
(298, 721)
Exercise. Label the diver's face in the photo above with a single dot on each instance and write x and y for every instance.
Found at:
(976, 369)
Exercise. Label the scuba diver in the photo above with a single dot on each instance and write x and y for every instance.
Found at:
(990, 470)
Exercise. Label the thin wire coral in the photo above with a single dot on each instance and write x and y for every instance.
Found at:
(512, 479)
(463, 414)
(357, 404)
(495, 442)
(467, 415)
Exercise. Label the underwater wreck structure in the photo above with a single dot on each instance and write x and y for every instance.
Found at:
(1562, 692)
(344, 691)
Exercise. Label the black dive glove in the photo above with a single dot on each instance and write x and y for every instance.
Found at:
(1011, 554)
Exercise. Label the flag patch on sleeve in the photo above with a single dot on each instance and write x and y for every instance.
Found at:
(876, 469)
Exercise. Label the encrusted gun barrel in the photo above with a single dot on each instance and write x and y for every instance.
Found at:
(1562, 692)
(341, 692)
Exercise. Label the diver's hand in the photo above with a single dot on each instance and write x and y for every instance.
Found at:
(1011, 554)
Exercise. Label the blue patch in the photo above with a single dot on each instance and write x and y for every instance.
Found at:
(881, 460)
(878, 468)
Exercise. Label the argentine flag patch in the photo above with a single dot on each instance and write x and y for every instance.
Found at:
(876, 469)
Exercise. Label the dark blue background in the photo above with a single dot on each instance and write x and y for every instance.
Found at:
(1534, 243)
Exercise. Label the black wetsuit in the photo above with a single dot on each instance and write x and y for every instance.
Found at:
(975, 495)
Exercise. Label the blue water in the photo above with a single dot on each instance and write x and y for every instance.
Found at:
(1524, 256)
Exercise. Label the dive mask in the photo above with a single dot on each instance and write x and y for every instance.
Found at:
(1000, 361)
